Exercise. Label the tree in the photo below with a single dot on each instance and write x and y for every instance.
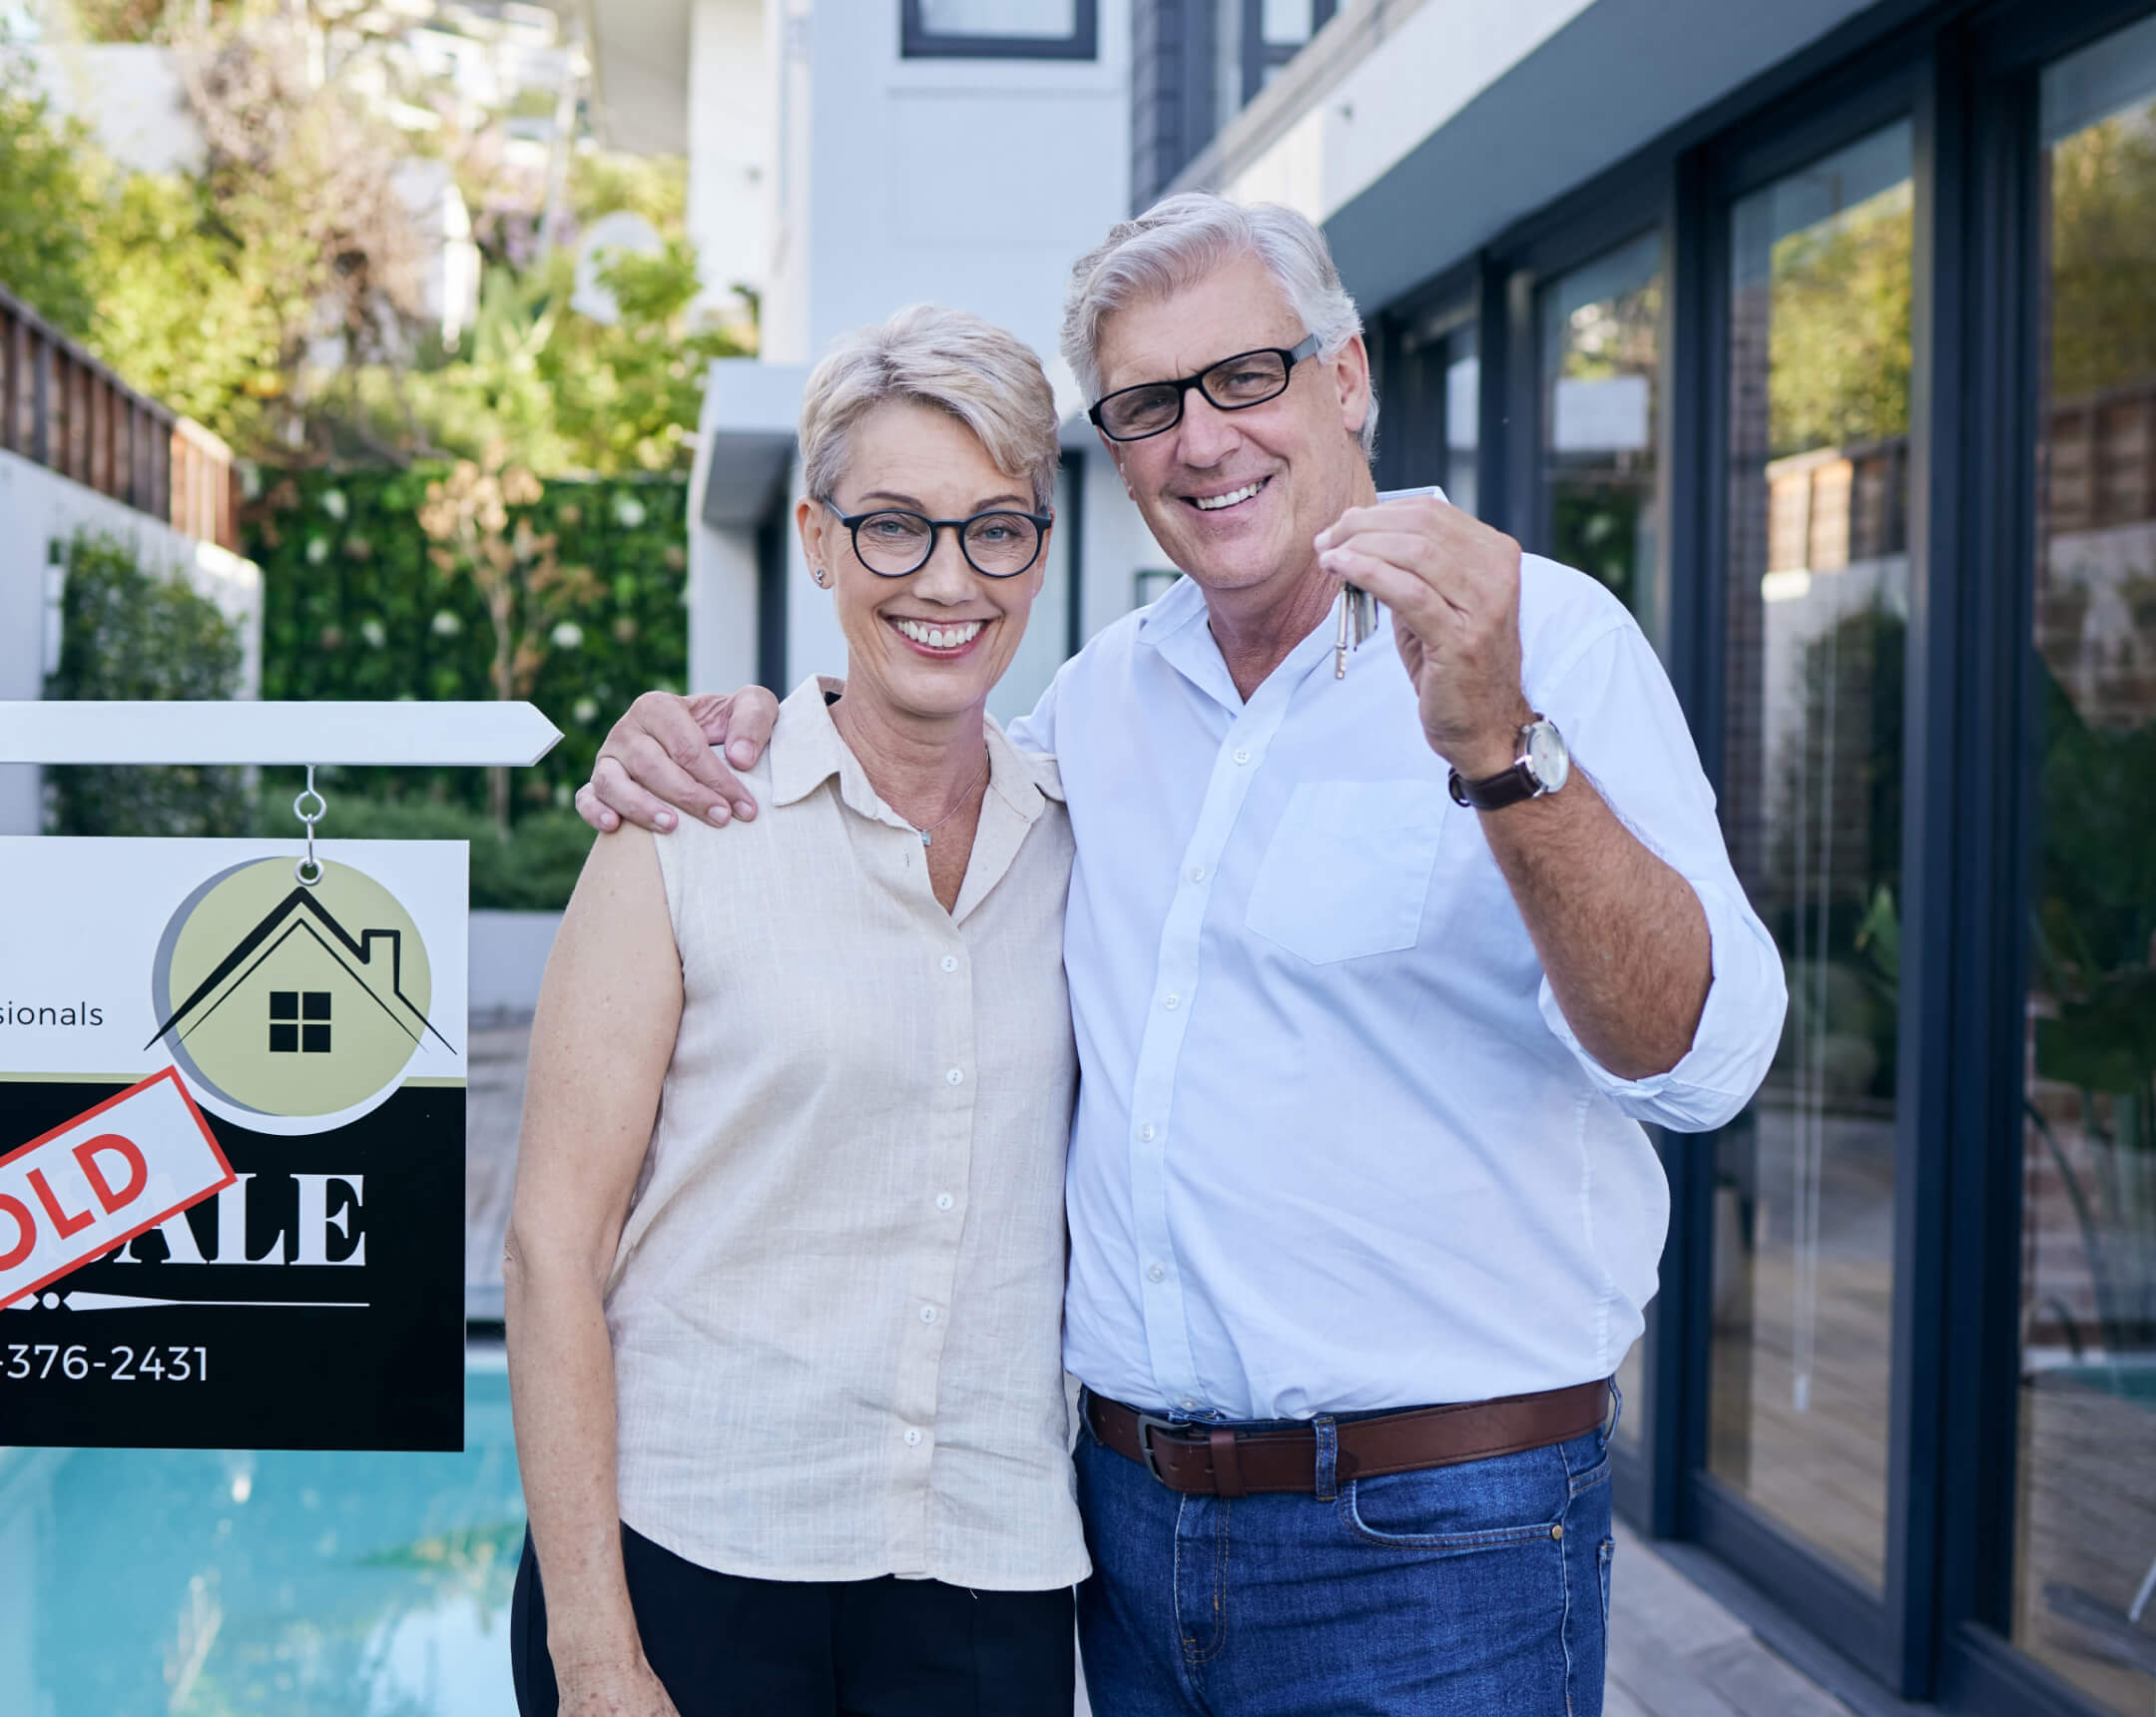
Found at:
(1842, 343)
(2103, 253)
(48, 206)
(531, 599)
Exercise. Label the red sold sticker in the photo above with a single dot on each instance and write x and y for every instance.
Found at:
(96, 1182)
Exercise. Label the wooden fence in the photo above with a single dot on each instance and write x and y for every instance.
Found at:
(61, 408)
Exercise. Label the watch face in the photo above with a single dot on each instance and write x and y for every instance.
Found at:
(1547, 757)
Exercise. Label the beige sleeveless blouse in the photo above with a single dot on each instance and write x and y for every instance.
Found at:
(837, 1306)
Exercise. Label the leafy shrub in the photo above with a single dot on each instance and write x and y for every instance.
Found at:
(126, 633)
(533, 870)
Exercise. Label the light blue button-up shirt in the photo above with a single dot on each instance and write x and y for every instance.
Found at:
(1335, 1147)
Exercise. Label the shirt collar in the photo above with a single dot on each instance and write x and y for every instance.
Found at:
(807, 751)
(1175, 628)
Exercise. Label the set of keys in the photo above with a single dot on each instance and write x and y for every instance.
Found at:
(1358, 607)
(1357, 620)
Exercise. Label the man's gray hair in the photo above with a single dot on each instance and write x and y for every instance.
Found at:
(951, 360)
(1184, 238)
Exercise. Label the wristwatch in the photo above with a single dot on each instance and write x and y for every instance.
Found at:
(1542, 767)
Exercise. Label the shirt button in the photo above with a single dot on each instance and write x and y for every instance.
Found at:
(1242, 755)
(912, 1438)
(1187, 1403)
(949, 962)
(943, 1201)
(1197, 872)
(1172, 1001)
(927, 1314)
(1145, 1133)
(1157, 1272)
(956, 1076)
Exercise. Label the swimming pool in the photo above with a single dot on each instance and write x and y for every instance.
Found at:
(192, 1583)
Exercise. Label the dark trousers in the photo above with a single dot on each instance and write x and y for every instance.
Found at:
(723, 1644)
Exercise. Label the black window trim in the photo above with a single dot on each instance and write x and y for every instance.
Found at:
(917, 42)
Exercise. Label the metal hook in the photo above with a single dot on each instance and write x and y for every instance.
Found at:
(310, 818)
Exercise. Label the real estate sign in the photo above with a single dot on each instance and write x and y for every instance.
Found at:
(232, 1144)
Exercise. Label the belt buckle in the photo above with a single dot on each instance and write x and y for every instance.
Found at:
(1147, 1424)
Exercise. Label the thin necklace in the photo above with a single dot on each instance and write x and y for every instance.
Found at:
(954, 809)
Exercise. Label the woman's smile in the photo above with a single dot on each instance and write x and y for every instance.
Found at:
(939, 640)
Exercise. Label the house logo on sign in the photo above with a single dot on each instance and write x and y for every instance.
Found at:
(293, 1001)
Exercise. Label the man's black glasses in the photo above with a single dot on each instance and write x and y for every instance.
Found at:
(893, 542)
(1233, 385)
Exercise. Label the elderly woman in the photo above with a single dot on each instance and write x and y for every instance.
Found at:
(785, 1263)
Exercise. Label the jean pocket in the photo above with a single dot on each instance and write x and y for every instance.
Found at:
(1349, 869)
(1477, 1506)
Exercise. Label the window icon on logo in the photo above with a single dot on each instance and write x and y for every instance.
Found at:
(288, 1035)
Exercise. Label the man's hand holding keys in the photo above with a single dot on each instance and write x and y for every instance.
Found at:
(1452, 584)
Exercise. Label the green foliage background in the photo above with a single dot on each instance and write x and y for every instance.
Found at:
(353, 609)
(126, 633)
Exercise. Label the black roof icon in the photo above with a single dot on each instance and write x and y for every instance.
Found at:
(291, 918)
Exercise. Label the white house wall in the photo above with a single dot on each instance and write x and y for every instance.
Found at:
(40, 509)
(1413, 81)
(730, 143)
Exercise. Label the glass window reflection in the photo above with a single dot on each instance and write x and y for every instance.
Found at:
(1428, 431)
(1601, 343)
(2085, 1538)
(1820, 357)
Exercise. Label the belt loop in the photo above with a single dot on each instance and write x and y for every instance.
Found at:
(1615, 1416)
(1328, 1455)
(1227, 1468)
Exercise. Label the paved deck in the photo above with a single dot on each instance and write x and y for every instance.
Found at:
(1674, 1650)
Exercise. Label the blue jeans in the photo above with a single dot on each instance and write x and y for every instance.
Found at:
(1458, 1591)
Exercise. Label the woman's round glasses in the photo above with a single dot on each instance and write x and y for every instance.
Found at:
(893, 542)
(1233, 385)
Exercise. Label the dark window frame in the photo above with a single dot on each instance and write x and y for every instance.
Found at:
(1964, 76)
(1260, 56)
(917, 42)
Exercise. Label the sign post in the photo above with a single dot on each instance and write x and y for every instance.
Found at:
(232, 1099)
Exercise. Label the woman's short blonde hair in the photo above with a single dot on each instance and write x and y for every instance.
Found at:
(952, 360)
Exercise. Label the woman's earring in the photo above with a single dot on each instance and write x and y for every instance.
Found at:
(817, 572)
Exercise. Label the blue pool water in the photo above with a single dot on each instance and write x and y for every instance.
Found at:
(148, 1582)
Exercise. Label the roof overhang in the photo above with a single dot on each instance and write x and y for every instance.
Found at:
(1617, 76)
(745, 439)
(744, 474)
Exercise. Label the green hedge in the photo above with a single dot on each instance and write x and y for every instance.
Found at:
(354, 608)
(127, 633)
(533, 870)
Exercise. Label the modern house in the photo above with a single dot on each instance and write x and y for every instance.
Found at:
(1824, 333)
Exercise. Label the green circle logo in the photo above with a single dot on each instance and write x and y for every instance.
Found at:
(291, 1000)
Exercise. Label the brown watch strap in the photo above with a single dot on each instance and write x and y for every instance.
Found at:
(1496, 792)
(1219, 1460)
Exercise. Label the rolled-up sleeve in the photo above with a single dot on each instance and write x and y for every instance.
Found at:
(1614, 705)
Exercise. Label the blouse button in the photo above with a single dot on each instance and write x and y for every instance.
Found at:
(949, 962)
(1157, 1272)
(1242, 755)
(927, 1314)
(1145, 1133)
(1172, 1001)
(956, 1076)
(943, 1201)
(912, 1438)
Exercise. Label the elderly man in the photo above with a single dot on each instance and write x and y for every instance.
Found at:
(1374, 978)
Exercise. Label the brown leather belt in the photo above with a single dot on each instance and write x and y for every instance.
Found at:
(1217, 1460)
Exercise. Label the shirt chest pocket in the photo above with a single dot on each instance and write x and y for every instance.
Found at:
(1349, 869)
